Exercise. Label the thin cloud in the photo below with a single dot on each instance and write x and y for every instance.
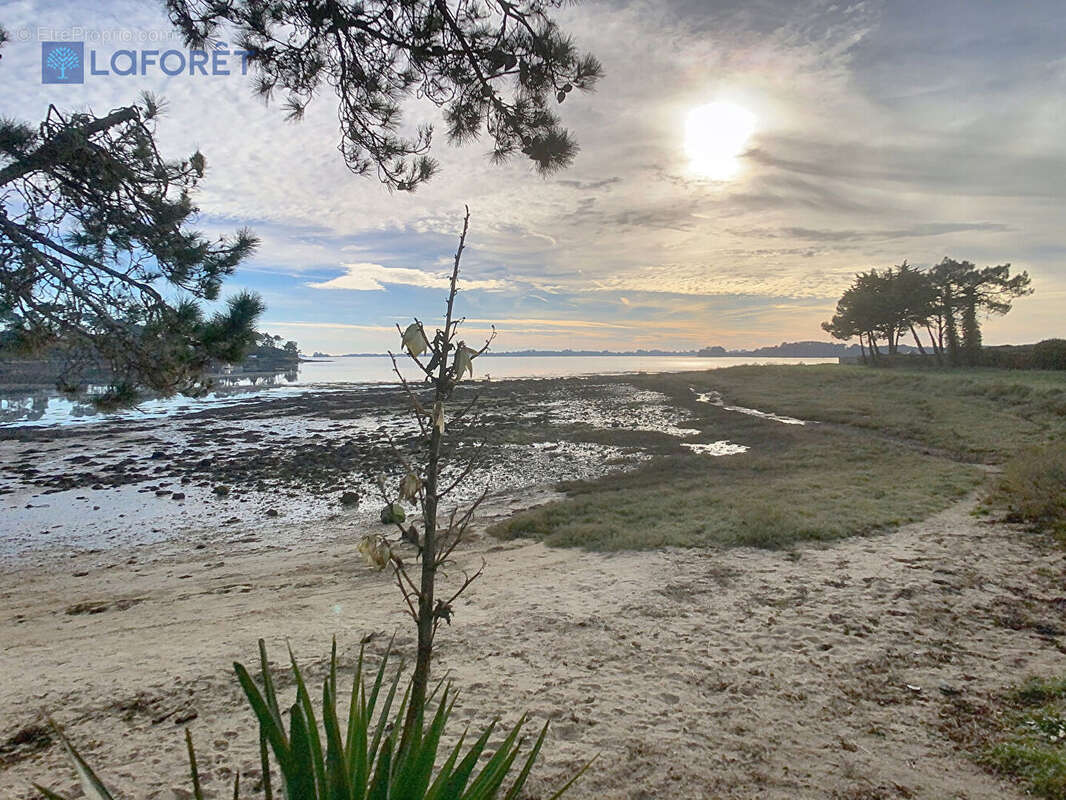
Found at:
(915, 231)
(559, 323)
(367, 277)
(589, 186)
(329, 326)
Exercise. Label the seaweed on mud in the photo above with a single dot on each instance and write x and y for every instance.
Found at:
(23, 743)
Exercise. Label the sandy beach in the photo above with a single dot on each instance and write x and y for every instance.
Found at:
(814, 672)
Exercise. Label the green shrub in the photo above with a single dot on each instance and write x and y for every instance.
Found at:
(1050, 354)
(1008, 357)
(366, 760)
(1033, 487)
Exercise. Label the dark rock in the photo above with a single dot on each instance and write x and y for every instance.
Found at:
(350, 499)
(271, 512)
(177, 496)
(221, 490)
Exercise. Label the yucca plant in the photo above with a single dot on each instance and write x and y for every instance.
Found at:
(361, 758)
(443, 361)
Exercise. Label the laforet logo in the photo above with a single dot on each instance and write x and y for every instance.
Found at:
(62, 62)
(68, 62)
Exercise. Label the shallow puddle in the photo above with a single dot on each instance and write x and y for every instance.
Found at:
(722, 448)
(715, 399)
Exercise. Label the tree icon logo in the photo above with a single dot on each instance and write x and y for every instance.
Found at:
(62, 62)
(62, 59)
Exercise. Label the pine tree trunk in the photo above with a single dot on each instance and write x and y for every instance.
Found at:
(938, 350)
(918, 342)
(951, 329)
(971, 332)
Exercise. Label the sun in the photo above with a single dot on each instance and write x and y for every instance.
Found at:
(715, 136)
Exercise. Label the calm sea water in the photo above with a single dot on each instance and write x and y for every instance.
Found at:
(46, 408)
(374, 369)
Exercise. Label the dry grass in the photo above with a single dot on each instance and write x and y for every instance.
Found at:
(1032, 488)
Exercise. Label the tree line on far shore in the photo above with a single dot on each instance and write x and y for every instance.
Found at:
(943, 304)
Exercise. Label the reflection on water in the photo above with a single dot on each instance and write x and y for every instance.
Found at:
(43, 406)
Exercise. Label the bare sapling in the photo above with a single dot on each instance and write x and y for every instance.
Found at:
(430, 477)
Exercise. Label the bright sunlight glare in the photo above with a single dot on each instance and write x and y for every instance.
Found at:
(715, 136)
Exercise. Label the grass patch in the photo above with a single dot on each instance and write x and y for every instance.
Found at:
(1032, 488)
(1020, 735)
(976, 414)
(1036, 692)
(895, 446)
(794, 485)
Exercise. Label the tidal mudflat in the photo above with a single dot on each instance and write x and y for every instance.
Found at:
(257, 467)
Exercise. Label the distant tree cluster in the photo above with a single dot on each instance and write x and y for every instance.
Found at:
(269, 351)
(946, 301)
(264, 341)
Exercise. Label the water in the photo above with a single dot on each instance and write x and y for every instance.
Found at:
(45, 407)
(378, 369)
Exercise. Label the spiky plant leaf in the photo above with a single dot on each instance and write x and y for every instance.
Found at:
(197, 792)
(91, 786)
(370, 762)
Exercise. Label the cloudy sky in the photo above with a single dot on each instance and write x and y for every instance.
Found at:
(879, 131)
